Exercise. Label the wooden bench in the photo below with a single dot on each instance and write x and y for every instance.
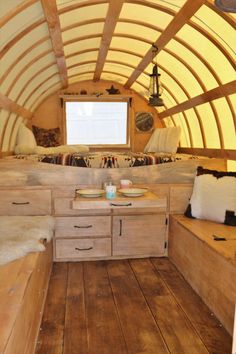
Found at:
(209, 266)
(23, 288)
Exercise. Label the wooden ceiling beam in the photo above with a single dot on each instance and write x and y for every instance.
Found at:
(180, 19)
(108, 30)
(52, 18)
(218, 92)
(13, 107)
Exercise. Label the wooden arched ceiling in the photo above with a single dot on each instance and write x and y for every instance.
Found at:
(63, 41)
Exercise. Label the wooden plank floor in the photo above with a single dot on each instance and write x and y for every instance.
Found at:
(139, 306)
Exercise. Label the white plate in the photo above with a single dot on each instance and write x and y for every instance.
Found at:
(90, 193)
(133, 192)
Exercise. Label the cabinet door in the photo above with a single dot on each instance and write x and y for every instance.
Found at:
(139, 235)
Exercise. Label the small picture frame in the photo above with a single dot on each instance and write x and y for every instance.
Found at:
(144, 122)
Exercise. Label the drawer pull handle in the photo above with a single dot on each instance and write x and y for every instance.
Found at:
(120, 234)
(113, 204)
(20, 203)
(83, 249)
(83, 227)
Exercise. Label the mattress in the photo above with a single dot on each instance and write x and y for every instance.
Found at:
(107, 159)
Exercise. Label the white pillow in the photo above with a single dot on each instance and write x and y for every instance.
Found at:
(25, 137)
(164, 140)
(213, 197)
(24, 150)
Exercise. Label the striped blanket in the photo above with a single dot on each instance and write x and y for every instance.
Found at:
(107, 159)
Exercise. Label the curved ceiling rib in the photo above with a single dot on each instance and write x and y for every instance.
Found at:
(54, 27)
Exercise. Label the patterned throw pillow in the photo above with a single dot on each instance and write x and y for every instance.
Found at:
(213, 197)
(47, 137)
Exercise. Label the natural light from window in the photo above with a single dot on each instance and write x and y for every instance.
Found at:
(96, 123)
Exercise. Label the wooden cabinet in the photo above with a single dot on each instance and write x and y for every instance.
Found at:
(139, 235)
(95, 228)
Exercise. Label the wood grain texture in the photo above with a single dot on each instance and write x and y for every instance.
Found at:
(113, 13)
(207, 265)
(138, 306)
(23, 288)
(206, 325)
(228, 154)
(51, 335)
(179, 334)
(13, 107)
(140, 329)
(52, 18)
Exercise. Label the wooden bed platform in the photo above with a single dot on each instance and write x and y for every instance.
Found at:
(23, 290)
(25, 172)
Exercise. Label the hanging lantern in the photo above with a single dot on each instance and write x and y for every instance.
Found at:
(154, 86)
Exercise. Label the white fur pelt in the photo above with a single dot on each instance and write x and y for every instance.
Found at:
(20, 235)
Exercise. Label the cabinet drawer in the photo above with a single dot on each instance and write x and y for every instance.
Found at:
(25, 202)
(83, 248)
(63, 206)
(142, 235)
(82, 226)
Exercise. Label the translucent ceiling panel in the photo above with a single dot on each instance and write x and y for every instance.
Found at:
(202, 71)
(81, 69)
(123, 57)
(17, 64)
(80, 58)
(14, 133)
(82, 45)
(64, 3)
(6, 139)
(34, 73)
(169, 81)
(137, 87)
(82, 77)
(23, 43)
(80, 31)
(211, 53)
(20, 21)
(34, 93)
(195, 128)
(4, 114)
(129, 44)
(85, 13)
(226, 122)
(117, 68)
(134, 30)
(170, 4)
(233, 101)
(113, 77)
(168, 122)
(145, 14)
(209, 125)
(181, 72)
(184, 138)
(217, 27)
(44, 95)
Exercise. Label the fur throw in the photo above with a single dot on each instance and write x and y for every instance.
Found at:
(20, 235)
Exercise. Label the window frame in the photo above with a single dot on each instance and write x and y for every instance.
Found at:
(117, 98)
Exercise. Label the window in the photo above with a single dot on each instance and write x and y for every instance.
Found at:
(97, 123)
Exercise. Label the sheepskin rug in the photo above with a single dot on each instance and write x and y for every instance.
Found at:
(20, 235)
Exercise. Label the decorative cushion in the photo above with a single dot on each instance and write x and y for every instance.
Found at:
(62, 149)
(164, 140)
(25, 137)
(213, 197)
(47, 137)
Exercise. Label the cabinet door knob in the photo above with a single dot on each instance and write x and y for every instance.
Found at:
(83, 249)
(113, 204)
(83, 227)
